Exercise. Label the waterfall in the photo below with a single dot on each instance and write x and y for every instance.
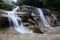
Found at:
(18, 26)
(46, 24)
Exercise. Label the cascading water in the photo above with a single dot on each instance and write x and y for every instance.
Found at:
(46, 24)
(12, 16)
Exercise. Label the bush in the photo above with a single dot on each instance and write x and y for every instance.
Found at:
(5, 6)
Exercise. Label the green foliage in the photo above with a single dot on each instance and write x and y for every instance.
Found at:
(51, 4)
(4, 5)
(36, 3)
(26, 17)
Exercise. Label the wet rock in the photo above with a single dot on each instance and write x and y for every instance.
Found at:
(36, 30)
(4, 22)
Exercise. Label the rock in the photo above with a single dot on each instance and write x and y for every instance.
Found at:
(36, 30)
(4, 23)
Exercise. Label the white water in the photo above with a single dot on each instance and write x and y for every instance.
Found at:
(46, 24)
(12, 16)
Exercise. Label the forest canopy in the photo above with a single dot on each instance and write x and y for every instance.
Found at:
(50, 4)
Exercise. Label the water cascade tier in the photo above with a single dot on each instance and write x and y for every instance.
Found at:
(16, 22)
(46, 24)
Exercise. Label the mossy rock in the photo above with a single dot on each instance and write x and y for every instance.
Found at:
(36, 30)
(26, 17)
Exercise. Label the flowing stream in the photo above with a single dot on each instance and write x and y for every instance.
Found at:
(16, 22)
(46, 24)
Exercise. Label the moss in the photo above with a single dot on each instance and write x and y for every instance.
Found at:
(26, 17)
(36, 30)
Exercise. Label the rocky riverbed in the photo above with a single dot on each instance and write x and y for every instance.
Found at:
(51, 34)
